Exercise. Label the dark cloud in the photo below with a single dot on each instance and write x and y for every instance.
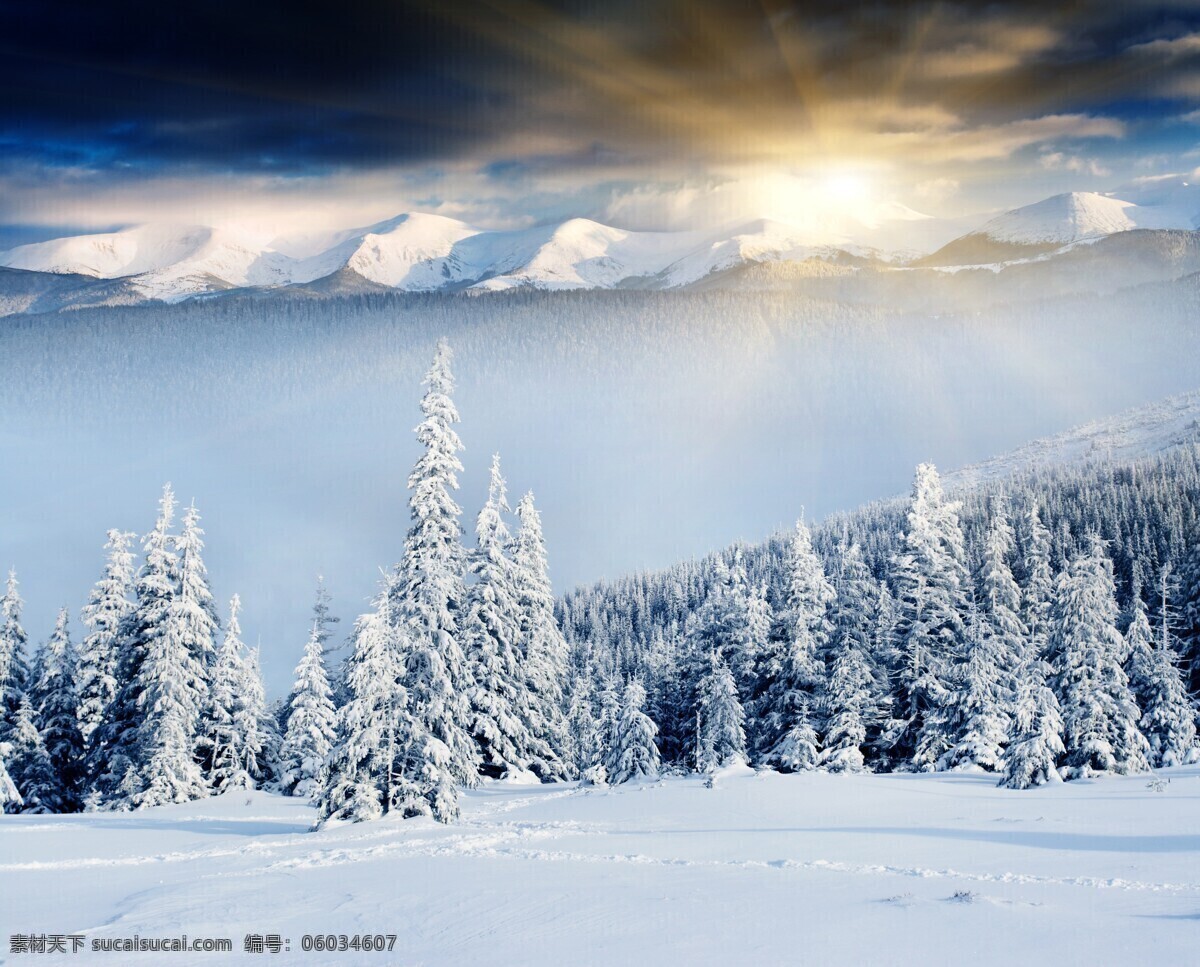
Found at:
(303, 87)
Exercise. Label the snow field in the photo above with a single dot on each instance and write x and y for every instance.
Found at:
(807, 868)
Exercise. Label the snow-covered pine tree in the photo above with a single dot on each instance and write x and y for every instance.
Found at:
(608, 722)
(1168, 718)
(196, 613)
(791, 669)
(118, 751)
(311, 723)
(1100, 714)
(195, 605)
(357, 780)
(1139, 647)
(503, 714)
(240, 737)
(14, 671)
(799, 748)
(721, 733)
(29, 765)
(930, 580)
(852, 697)
(1037, 728)
(1037, 593)
(722, 623)
(10, 798)
(635, 755)
(221, 745)
(109, 605)
(581, 750)
(256, 725)
(543, 647)
(976, 710)
(428, 592)
(1000, 601)
(55, 703)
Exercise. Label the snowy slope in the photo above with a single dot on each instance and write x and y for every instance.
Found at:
(1140, 432)
(1075, 217)
(810, 868)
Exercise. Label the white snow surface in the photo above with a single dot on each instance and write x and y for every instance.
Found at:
(772, 869)
(1140, 432)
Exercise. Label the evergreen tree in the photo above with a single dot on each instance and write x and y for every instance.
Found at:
(1139, 647)
(14, 672)
(543, 647)
(791, 672)
(222, 744)
(29, 766)
(10, 798)
(721, 734)
(635, 755)
(723, 622)
(851, 700)
(1168, 719)
(930, 581)
(1032, 757)
(357, 782)
(1099, 712)
(1038, 590)
(428, 594)
(797, 750)
(582, 739)
(120, 746)
(608, 722)
(194, 604)
(1000, 601)
(502, 713)
(108, 607)
(976, 710)
(52, 695)
(311, 723)
(256, 726)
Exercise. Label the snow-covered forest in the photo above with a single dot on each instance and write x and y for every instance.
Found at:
(1039, 629)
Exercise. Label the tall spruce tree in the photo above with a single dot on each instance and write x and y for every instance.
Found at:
(791, 669)
(1099, 711)
(1000, 602)
(851, 702)
(581, 750)
(14, 670)
(1032, 757)
(1037, 593)
(428, 595)
(109, 606)
(635, 754)
(357, 782)
(977, 709)
(10, 798)
(55, 703)
(234, 743)
(119, 746)
(721, 732)
(1168, 717)
(311, 723)
(29, 766)
(502, 711)
(930, 581)
(542, 646)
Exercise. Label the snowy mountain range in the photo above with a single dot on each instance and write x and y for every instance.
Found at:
(418, 252)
